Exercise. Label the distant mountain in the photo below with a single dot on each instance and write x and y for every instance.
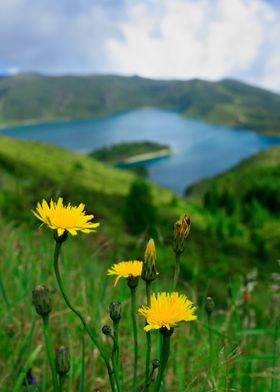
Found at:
(28, 97)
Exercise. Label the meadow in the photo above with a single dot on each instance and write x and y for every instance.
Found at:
(230, 255)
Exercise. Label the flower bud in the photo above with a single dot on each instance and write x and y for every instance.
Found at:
(149, 272)
(62, 360)
(155, 363)
(209, 305)
(181, 232)
(115, 311)
(41, 299)
(106, 330)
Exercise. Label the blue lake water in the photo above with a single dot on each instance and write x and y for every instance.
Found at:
(200, 150)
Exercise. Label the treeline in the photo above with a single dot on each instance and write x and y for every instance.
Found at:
(121, 151)
(249, 206)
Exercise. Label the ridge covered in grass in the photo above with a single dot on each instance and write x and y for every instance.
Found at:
(30, 97)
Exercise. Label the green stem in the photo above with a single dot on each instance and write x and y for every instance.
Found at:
(273, 387)
(115, 360)
(176, 270)
(116, 351)
(210, 341)
(150, 379)
(49, 349)
(210, 360)
(165, 349)
(83, 365)
(90, 332)
(135, 336)
(148, 336)
(62, 378)
(116, 348)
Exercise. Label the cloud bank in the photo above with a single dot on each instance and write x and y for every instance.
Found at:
(178, 39)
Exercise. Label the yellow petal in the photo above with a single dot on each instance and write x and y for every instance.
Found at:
(60, 231)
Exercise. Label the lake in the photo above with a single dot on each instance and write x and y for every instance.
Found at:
(200, 149)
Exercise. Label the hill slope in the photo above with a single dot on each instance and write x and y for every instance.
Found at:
(28, 97)
(248, 194)
(31, 171)
(218, 252)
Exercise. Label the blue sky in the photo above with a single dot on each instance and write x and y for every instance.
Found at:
(167, 39)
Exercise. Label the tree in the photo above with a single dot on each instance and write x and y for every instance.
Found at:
(140, 212)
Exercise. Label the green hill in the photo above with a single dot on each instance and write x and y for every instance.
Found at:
(28, 97)
(31, 171)
(248, 194)
(221, 248)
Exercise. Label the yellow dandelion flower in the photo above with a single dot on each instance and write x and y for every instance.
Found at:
(126, 269)
(167, 310)
(65, 218)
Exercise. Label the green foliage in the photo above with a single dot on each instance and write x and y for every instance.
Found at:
(28, 97)
(220, 244)
(120, 152)
(140, 213)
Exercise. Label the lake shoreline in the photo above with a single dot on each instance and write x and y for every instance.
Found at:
(201, 150)
(146, 157)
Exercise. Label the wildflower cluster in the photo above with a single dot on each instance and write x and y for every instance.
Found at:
(163, 311)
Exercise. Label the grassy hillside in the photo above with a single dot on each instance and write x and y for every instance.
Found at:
(219, 251)
(249, 194)
(31, 171)
(42, 98)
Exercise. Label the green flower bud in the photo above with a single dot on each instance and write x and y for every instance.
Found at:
(62, 360)
(209, 305)
(155, 363)
(115, 311)
(181, 232)
(106, 330)
(41, 299)
(149, 272)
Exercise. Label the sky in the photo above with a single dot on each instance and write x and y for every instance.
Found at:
(162, 39)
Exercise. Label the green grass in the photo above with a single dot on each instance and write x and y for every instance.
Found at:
(218, 252)
(28, 97)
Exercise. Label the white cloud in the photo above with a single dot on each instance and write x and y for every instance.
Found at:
(209, 39)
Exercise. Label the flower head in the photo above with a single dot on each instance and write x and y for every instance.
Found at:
(149, 272)
(150, 250)
(181, 232)
(64, 218)
(126, 269)
(167, 310)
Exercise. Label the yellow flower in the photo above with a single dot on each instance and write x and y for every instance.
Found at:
(150, 250)
(149, 272)
(64, 218)
(166, 310)
(126, 269)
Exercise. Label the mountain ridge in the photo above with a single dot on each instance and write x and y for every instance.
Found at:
(42, 98)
